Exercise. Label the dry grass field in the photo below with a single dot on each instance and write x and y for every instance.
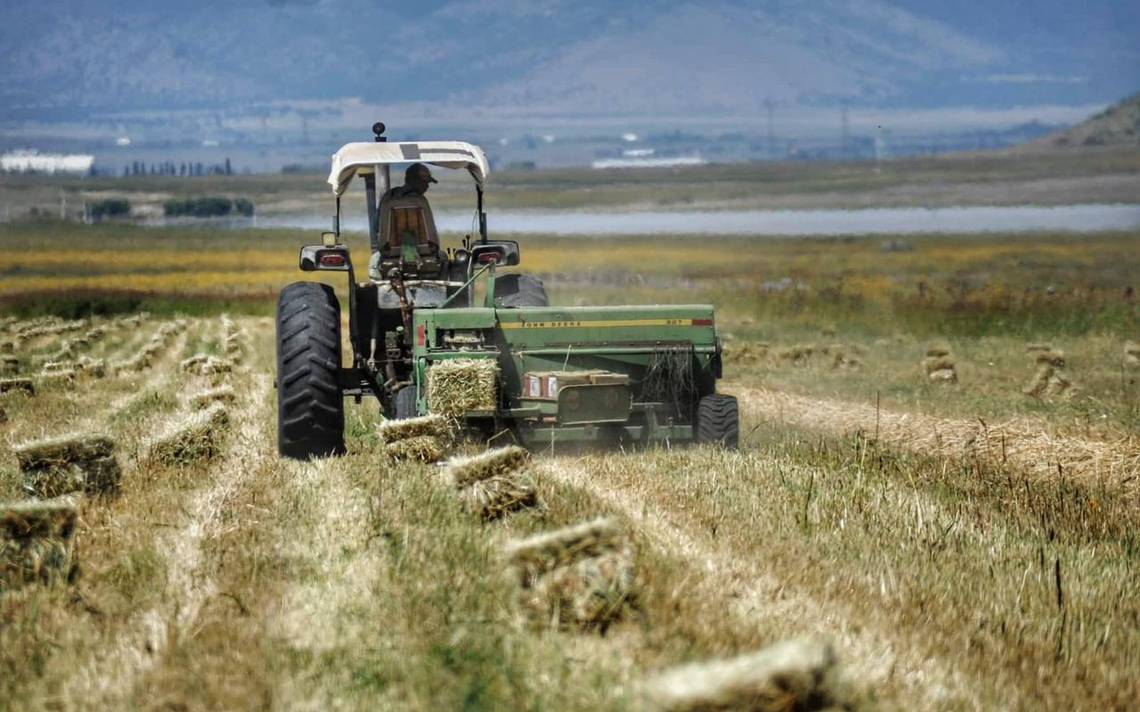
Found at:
(961, 544)
(235, 580)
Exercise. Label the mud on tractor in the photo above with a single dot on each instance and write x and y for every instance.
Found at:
(636, 374)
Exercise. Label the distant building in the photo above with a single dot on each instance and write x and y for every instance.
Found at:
(649, 162)
(32, 161)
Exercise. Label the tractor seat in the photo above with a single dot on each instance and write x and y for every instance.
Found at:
(408, 239)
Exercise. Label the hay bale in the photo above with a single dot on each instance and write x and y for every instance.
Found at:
(69, 464)
(945, 375)
(205, 365)
(423, 448)
(498, 496)
(433, 425)
(197, 437)
(793, 675)
(193, 362)
(590, 593)
(55, 452)
(463, 471)
(56, 378)
(539, 554)
(1040, 382)
(937, 363)
(8, 385)
(9, 366)
(458, 385)
(221, 394)
(36, 542)
(1132, 354)
(1053, 358)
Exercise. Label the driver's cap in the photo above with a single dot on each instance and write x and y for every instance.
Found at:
(418, 172)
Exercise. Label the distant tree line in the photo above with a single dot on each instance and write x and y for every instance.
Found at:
(108, 208)
(184, 169)
(207, 207)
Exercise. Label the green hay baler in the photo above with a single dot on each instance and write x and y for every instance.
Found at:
(607, 375)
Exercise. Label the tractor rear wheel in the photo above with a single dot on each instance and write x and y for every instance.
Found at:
(310, 406)
(718, 420)
(520, 290)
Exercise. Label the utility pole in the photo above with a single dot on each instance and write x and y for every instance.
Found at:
(845, 134)
(771, 130)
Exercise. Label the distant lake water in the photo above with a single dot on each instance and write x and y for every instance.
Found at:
(872, 221)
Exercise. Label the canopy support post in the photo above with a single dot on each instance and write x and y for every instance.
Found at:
(373, 212)
(482, 214)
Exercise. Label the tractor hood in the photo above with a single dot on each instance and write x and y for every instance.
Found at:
(355, 157)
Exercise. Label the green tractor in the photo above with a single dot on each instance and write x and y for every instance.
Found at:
(607, 375)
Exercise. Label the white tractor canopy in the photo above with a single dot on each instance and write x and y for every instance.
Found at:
(363, 156)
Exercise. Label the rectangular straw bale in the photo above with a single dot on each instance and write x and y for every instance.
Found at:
(434, 425)
(545, 552)
(221, 394)
(424, 448)
(36, 542)
(795, 674)
(67, 450)
(588, 593)
(191, 363)
(197, 437)
(55, 378)
(1054, 358)
(100, 476)
(458, 385)
(500, 495)
(8, 385)
(462, 471)
(937, 363)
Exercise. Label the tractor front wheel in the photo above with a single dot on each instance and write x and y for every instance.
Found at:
(718, 420)
(310, 406)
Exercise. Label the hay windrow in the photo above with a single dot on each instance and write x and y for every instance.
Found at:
(463, 471)
(500, 495)
(199, 436)
(422, 448)
(792, 675)
(456, 386)
(37, 542)
(433, 425)
(1025, 443)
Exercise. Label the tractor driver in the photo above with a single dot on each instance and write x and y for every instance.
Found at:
(417, 179)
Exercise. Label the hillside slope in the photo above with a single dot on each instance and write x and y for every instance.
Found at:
(672, 56)
(1117, 126)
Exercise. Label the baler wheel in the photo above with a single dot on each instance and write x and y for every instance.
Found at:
(310, 405)
(718, 420)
